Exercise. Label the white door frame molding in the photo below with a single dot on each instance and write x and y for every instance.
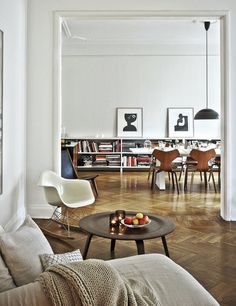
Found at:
(226, 185)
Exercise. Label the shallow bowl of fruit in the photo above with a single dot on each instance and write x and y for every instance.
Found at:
(136, 221)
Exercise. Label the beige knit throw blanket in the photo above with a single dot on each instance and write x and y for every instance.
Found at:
(93, 283)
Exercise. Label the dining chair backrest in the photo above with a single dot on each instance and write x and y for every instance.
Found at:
(166, 158)
(202, 158)
(67, 167)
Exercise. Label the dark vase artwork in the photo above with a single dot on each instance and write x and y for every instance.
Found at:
(129, 122)
(181, 123)
(130, 118)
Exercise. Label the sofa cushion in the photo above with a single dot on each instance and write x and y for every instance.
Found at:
(6, 280)
(21, 249)
(52, 259)
(1, 229)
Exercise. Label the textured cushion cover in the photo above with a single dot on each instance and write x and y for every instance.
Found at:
(21, 249)
(6, 280)
(52, 259)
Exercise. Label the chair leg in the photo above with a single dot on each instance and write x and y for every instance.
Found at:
(68, 223)
(94, 186)
(62, 219)
(57, 219)
(169, 176)
(191, 186)
(181, 171)
(176, 181)
(201, 175)
(186, 179)
(213, 180)
(172, 177)
(209, 177)
(149, 172)
(205, 179)
(153, 178)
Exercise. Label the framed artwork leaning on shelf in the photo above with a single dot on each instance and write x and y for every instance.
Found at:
(129, 122)
(180, 122)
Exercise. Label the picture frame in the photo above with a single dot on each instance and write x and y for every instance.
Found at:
(1, 108)
(180, 122)
(129, 122)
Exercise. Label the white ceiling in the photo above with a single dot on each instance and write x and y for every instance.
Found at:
(130, 31)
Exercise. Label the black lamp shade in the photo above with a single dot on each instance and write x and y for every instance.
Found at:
(206, 114)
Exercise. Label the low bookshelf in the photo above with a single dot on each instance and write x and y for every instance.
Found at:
(111, 153)
(120, 154)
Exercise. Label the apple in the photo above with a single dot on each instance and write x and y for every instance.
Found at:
(142, 221)
(128, 220)
(135, 221)
(146, 218)
(139, 215)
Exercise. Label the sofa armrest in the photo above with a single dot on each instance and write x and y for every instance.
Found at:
(28, 295)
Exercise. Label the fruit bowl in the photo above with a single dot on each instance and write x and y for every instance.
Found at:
(135, 225)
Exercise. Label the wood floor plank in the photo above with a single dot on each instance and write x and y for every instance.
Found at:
(203, 243)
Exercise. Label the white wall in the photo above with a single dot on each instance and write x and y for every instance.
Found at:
(13, 24)
(40, 110)
(97, 84)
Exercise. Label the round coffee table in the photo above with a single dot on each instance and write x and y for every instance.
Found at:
(98, 224)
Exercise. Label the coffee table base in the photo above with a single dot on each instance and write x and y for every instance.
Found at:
(139, 244)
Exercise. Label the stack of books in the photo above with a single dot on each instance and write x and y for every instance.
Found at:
(143, 160)
(100, 161)
(113, 160)
(128, 145)
(105, 147)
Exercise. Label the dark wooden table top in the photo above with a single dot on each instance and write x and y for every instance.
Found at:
(98, 224)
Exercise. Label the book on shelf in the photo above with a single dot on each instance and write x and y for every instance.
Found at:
(113, 160)
(94, 146)
(143, 160)
(85, 146)
(100, 160)
(127, 145)
(105, 147)
(135, 161)
(129, 161)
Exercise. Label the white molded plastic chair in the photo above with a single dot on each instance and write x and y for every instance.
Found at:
(67, 193)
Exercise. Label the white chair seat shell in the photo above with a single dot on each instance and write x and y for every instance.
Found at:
(66, 192)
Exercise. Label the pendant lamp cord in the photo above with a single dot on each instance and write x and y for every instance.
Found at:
(206, 69)
(207, 26)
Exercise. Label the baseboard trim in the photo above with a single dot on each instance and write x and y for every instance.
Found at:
(40, 211)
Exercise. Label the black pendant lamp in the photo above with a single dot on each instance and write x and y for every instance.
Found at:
(206, 113)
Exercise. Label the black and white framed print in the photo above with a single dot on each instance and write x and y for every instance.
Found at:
(180, 122)
(130, 122)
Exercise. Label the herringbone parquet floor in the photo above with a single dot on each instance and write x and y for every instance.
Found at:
(202, 243)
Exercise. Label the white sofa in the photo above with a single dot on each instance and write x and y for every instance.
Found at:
(173, 285)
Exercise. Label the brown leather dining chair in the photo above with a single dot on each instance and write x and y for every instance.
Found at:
(166, 159)
(68, 170)
(216, 168)
(202, 165)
